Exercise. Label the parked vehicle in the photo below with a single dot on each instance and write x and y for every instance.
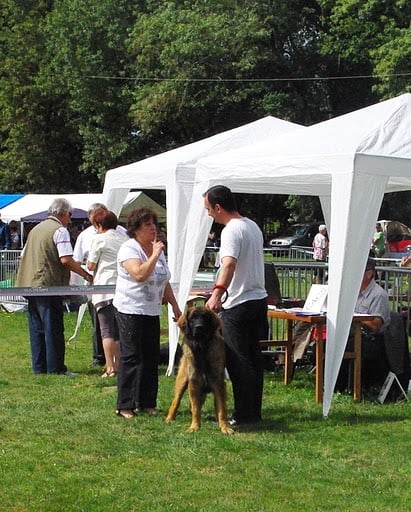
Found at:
(301, 234)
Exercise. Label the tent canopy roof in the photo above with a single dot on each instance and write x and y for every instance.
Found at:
(31, 205)
(138, 200)
(6, 199)
(303, 161)
(77, 214)
(157, 171)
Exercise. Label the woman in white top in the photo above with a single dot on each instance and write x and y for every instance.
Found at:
(142, 287)
(102, 260)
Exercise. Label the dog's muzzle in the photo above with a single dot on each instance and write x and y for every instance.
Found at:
(199, 330)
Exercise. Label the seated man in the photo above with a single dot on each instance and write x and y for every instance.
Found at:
(372, 299)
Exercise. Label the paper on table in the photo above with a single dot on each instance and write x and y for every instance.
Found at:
(316, 301)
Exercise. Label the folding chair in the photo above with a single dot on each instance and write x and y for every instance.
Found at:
(398, 359)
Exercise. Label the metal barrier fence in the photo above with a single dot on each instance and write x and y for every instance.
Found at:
(209, 260)
(295, 277)
(9, 263)
(289, 253)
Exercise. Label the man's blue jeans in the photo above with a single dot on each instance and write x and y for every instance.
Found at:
(46, 327)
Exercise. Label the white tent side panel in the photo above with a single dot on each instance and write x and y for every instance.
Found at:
(348, 255)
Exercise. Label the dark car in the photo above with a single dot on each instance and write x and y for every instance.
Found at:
(301, 234)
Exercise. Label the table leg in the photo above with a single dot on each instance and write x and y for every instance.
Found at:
(288, 353)
(357, 361)
(319, 366)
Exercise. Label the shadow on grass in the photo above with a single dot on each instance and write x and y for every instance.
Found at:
(359, 415)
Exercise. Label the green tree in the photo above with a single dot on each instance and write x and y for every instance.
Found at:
(360, 38)
(392, 64)
(64, 117)
(89, 85)
(25, 116)
(206, 66)
(89, 65)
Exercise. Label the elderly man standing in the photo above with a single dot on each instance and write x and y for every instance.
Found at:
(47, 261)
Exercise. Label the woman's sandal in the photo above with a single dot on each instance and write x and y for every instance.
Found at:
(107, 374)
(125, 413)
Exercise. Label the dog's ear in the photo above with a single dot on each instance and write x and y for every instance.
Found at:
(182, 322)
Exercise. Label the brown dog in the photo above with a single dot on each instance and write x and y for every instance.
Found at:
(202, 367)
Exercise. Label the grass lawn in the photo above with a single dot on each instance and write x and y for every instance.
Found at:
(63, 449)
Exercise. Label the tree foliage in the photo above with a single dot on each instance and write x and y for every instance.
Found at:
(364, 38)
(89, 85)
(208, 68)
(62, 122)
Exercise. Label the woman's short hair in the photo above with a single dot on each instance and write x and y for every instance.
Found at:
(138, 217)
(105, 218)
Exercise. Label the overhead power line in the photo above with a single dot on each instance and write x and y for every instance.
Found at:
(219, 80)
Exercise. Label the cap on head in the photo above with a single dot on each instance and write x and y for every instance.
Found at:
(370, 264)
(322, 227)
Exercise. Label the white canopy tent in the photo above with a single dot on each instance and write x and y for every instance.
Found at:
(174, 172)
(35, 203)
(349, 162)
(139, 200)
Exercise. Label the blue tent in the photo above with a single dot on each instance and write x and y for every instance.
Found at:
(77, 213)
(6, 199)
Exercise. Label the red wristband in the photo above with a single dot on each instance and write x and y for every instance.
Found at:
(224, 297)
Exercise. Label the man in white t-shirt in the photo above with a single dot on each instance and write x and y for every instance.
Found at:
(240, 294)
